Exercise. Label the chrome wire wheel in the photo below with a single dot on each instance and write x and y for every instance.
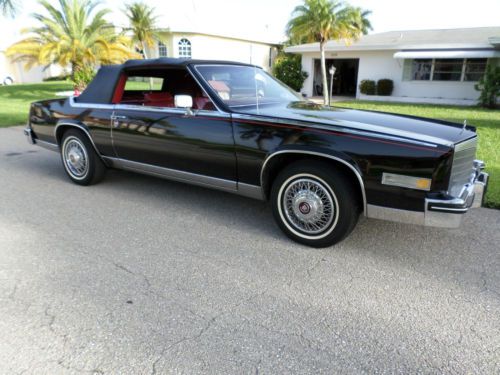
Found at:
(75, 157)
(309, 206)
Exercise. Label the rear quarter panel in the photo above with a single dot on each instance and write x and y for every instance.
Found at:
(46, 115)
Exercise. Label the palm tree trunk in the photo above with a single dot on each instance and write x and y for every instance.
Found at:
(323, 72)
(145, 54)
(73, 70)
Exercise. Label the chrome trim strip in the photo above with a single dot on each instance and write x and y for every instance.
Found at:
(72, 103)
(428, 219)
(469, 143)
(344, 128)
(245, 190)
(132, 107)
(357, 174)
(395, 214)
(173, 174)
(250, 191)
(47, 145)
(446, 209)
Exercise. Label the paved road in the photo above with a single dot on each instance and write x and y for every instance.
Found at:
(141, 276)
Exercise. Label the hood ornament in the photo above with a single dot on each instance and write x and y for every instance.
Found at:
(465, 125)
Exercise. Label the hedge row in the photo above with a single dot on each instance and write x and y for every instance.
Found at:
(383, 87)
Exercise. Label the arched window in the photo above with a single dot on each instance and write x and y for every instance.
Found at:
(185, 48)
(162, 50)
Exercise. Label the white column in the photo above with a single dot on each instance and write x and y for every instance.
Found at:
(308, 67)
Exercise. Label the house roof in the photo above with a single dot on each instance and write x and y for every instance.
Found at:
(465, 38)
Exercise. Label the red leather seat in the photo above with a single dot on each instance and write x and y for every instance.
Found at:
(158, 99)
(202, 102)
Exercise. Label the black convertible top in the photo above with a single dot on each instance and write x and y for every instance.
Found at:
(162, 61)
(102, 87)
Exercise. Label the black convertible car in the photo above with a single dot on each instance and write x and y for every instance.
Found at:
(233, 127)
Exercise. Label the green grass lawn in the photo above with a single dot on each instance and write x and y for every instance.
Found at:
(15, 100)
(487, 122)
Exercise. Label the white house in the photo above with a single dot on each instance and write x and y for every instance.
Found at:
(199, 45)
(190, 44)
(436, 66)
(14, 72)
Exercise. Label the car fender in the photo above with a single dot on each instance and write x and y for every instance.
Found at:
(334, 155)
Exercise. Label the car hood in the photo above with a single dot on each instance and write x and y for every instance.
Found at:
(411, 127)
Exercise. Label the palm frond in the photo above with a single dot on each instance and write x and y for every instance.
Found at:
(8, 7)
(73, 32)
(142, 24)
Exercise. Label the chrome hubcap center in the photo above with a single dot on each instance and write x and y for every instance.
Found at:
(74, 157)
(304, 208)
(307, 205)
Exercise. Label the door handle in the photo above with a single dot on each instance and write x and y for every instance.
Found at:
(115, 120)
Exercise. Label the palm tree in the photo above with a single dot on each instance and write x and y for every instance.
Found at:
(8, 7)
(142, 26)
(364, 23)
(74, 34)
(323, 20)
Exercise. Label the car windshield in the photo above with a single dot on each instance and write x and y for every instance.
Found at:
(240, 86)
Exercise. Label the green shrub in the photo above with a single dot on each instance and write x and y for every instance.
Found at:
(82, 77)
(62, 77)
(288, 69)
(489, 85)
(367, 87)
(385, 87)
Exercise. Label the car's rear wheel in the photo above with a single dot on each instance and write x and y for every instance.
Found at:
(79, 158)
(314, 204)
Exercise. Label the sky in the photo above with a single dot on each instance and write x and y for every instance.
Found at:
(266, 19)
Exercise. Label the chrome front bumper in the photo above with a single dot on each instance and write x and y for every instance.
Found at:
(447, 212)
(440, 211)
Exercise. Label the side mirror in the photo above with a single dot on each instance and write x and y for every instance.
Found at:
(183, 101)
(186, 102)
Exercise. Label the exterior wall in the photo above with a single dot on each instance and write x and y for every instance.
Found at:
(376, 65)
(219, 48)
(202, 47)
(34, 75)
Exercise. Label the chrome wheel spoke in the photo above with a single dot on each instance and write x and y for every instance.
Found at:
(308, 205)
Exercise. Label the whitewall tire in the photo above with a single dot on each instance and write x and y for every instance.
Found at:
(80, 160)
(314, 204)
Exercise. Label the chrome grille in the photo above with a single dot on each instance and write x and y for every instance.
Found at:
(462, 169)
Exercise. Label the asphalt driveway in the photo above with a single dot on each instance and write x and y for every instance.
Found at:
(138, 275)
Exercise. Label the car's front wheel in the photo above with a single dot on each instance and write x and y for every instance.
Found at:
(314, 204)
(79, 158)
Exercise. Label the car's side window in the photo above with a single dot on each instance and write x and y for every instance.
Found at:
(158, 88)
